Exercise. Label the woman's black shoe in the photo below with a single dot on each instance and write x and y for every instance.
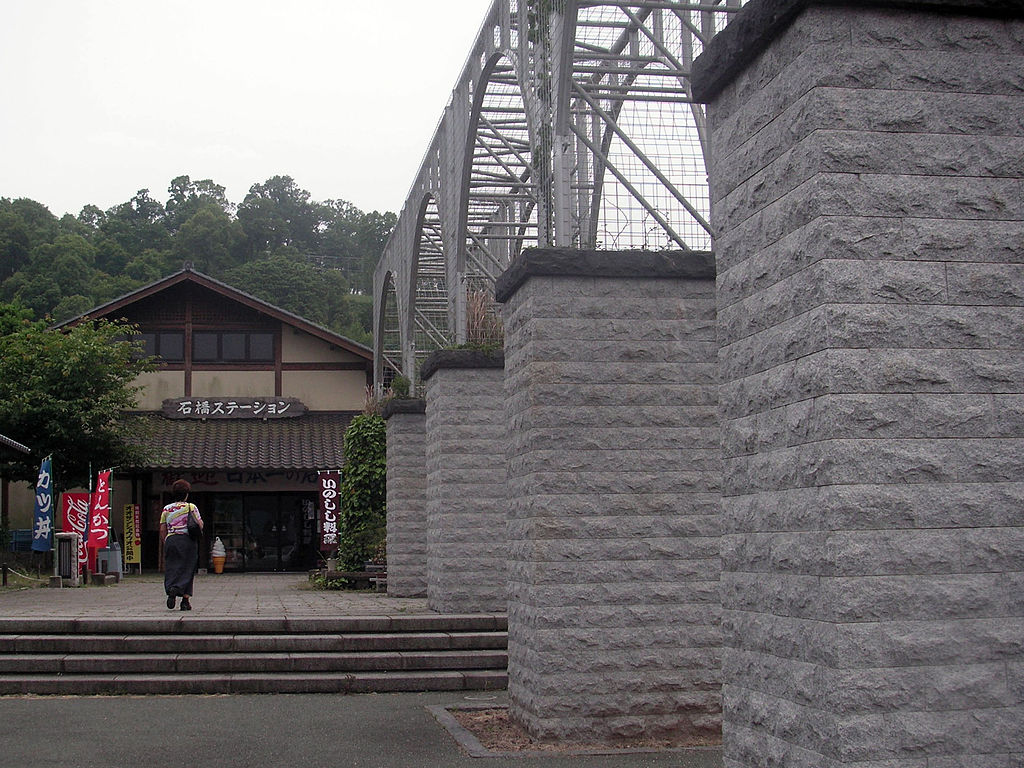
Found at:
(170, 602)
(185, 604)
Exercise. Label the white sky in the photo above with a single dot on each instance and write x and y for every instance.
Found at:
(102, 98)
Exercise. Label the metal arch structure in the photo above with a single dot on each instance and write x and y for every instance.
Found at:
(571, 125)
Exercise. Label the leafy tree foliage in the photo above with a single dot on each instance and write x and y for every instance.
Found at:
(363, 492)
(62, 393)
(289, 281)
(187, 197)
(277, 213)
(315, 259)
(210, 239)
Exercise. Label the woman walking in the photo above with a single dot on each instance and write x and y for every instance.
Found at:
(180, 552)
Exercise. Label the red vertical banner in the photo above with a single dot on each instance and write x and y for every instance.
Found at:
(330, 483)
(99, 512)
(75, 509)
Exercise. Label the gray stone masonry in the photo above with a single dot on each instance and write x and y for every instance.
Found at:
(867, 201)
(467, 545)
(614, 484)
(407, 497)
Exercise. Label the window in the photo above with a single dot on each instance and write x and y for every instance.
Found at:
(204, 347)
(169, 346)
(232, 347)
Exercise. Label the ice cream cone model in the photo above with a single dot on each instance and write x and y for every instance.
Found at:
(218, 555)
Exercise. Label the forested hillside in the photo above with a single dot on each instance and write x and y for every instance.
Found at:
(315, 259)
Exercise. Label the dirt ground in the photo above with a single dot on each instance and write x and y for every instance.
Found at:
(496, 732)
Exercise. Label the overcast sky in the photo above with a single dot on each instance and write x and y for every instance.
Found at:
(102, 98)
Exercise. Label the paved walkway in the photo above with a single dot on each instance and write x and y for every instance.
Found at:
(394, 730)
(226, 594)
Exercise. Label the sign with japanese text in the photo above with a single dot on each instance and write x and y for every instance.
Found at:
(132, 534)
(233, 408)
(241, 479)
(42, 529)
(330, 485)
(75, 512)
(99, 512)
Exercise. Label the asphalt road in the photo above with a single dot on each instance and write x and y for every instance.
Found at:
(291, 731)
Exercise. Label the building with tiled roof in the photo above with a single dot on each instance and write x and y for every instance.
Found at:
(248, 404)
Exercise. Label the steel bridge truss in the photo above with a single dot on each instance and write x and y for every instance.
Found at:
(571, 125)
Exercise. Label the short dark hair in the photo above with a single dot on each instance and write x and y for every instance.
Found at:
(180, 489)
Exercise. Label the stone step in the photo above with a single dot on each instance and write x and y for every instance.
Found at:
(247, 643)
(115, 664)
(192, 654)
(252, 682)
(189, 623)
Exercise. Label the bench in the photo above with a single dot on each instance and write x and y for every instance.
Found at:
(361, 579)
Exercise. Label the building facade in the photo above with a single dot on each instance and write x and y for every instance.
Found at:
(248, 403)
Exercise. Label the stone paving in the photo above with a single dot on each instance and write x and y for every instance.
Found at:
(246, 594)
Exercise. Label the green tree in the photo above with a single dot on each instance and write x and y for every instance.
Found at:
(353, 242)
(72, 306)
(40, 224)
(371, 236)
(137, 225)
(149, 266)
(277, 214)
(353, 317)
(56, 269)
(14, 243)
(187, 197)
(16, 317)
(291, 283)
(363, 491)
(62, 393)
(210, 240)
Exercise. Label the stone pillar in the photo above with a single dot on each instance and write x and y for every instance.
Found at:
(869, 220)
(467, 545)
(614, 484)
(407, 497)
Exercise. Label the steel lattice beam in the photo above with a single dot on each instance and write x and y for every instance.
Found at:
(570, 125)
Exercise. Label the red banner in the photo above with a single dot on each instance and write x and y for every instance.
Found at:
(99, 512)
(330, 482)
(75, 509)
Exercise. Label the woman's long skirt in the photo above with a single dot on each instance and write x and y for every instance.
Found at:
(180, 557)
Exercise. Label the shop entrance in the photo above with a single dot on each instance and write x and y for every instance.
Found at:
(264, 531)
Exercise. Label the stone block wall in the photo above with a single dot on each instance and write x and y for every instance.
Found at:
(869, 231)
(614, 482)
(406, 497)
(467, 545)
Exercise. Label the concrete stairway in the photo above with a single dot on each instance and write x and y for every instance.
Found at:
(192, 654)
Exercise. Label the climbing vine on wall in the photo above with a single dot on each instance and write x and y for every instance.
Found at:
(363, 491)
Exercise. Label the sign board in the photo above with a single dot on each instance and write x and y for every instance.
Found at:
(233, 408)
(99, 513)
(75, 507)
(132, 534)
(330, 485)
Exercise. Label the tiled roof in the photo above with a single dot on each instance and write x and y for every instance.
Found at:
(313, 441)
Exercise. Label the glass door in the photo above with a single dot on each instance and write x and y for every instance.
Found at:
(228, 523)
(261, 515)
(264, 531)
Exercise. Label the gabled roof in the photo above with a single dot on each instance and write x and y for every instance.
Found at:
(189, 275)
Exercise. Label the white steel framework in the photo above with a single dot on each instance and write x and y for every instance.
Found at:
(571, 125)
